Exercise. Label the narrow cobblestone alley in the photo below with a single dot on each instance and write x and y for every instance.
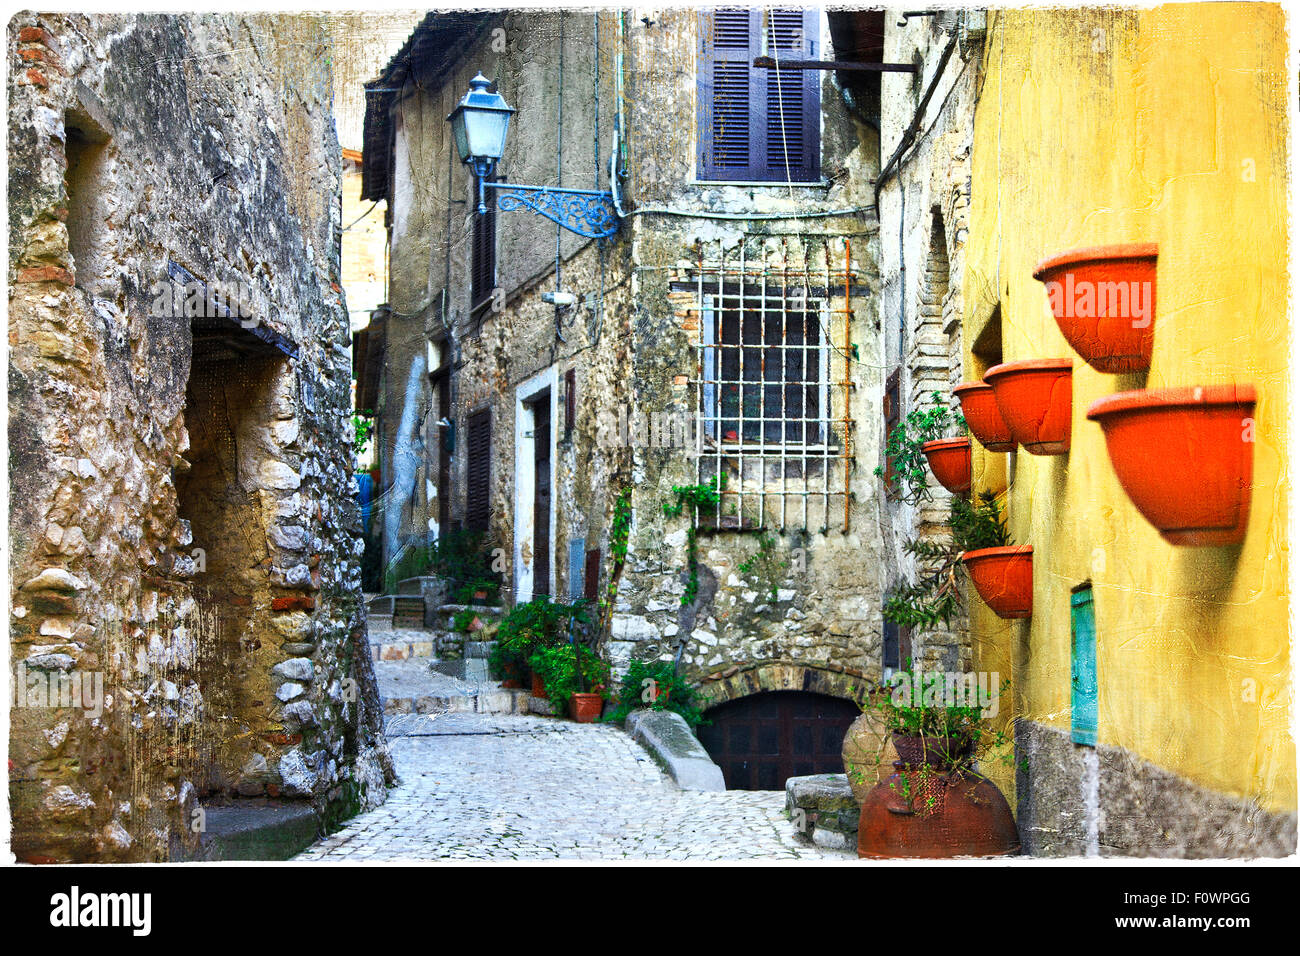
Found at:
(485, 787)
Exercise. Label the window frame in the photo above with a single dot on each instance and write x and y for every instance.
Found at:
(711, 414)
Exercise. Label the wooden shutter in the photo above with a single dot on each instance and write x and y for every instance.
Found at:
(478, 471)
(758, 124)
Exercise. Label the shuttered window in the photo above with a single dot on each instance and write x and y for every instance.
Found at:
(478, 471)
(758, 124)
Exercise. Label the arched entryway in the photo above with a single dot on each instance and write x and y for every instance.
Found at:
(763, 739)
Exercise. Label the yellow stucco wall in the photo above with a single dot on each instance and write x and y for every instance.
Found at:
(1164, 125)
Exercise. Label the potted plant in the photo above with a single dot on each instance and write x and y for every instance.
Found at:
(1185, 458)
(1002, 573)
(935, 804)
(566, 670)
(980, 409)
(1104, 300)
(935, 596)
(927, 435)
(523, 630)
(1034, 397)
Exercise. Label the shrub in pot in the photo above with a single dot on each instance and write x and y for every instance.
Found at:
(656, 685)
(567, 671)
(935, 804)
(931, 436)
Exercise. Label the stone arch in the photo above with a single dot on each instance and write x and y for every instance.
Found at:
(736, 682)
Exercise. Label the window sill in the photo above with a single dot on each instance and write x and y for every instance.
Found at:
(768, 183)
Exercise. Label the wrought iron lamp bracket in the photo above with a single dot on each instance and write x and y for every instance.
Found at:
(588, 212)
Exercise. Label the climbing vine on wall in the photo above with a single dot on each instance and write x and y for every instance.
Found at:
(694, 497)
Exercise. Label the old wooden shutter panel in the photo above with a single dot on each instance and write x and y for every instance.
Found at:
(478, 471)
(726, 93)
(483, 253)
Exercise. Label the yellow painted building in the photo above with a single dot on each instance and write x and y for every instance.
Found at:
(1165, 125)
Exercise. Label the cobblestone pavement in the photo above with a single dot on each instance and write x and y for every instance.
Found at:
(483, 787)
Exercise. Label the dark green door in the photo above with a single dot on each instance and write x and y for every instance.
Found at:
(1083, 668)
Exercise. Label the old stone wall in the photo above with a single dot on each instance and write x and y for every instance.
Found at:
(924, 204)
(183, 525)
(633, 342)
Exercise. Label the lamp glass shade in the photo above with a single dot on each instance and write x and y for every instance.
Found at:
(479, 123)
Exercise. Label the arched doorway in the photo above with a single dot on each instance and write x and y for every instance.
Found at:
(762, 739)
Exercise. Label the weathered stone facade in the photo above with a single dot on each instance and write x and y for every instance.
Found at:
(183, 523)
(924, 204)
(634, 340)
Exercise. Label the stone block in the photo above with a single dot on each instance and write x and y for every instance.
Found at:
(674, 747)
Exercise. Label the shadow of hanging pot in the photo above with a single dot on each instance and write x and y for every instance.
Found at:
(1185, 458)
(980, 410)
(1004, 578)
(1034, 398)
(1104, 300)
(949, 459)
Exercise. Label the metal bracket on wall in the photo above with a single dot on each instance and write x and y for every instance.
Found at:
(586, 212)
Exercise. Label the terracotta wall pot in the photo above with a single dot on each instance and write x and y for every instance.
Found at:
(1104, 300)
(1004, 578)
(980, 409)
(585, 708)
(1185, 457)
(949, 459)
(1034, 398)
(538, 686)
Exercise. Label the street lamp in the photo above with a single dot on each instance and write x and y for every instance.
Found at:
(478, 125)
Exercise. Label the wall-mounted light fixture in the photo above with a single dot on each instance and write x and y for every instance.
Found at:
(479, 124)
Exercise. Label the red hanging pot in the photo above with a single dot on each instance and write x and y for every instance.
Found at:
(1104, 300)
(949, 459)
(1185, 457)
(980, 410)
(1034, 397)
(1004, 578)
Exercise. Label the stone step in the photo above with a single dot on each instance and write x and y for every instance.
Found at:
(267, 830)
(497, 701)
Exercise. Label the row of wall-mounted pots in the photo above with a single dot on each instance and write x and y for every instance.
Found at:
(1104, 300)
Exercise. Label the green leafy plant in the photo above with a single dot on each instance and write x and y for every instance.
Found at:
(363, 426)
(765, 567)
(526, 628)
(656, 685)
(957, 733)
(691, 498)
(462, 621)
(567, 669)
(620, 529)
(907, 474)
(935, 596)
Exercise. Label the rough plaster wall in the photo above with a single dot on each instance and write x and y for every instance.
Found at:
(221, 121)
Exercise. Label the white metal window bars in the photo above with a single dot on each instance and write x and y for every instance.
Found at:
(773, 383)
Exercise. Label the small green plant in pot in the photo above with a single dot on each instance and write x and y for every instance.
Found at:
(940, 725)
(571, 670)
(525, 628)
(905, 474)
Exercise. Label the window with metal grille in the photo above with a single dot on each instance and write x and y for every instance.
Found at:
(758, 124)
(773, 382)
(478, 471)
(483, 255)
(765, 358)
